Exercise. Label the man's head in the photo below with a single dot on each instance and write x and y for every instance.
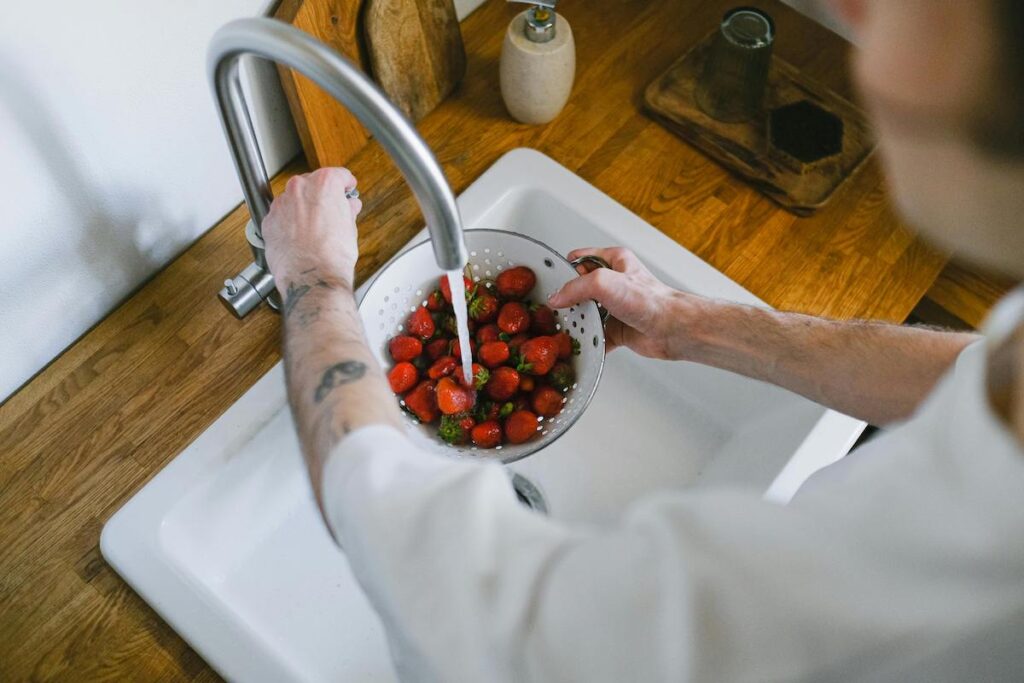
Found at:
(944, 82)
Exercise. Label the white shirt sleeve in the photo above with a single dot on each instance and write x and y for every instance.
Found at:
(716, 586)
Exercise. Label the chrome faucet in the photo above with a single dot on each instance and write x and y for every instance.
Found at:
(282, 43)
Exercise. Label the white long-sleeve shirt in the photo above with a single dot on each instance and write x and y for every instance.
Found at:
(905, 561)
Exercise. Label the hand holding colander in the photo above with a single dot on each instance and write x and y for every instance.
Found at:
(404, 283)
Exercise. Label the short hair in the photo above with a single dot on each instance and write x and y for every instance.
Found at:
(1000, 127)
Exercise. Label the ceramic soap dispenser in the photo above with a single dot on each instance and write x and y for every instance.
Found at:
(538, 63)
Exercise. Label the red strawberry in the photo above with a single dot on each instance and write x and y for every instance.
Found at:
(487, 410)
(546, 401)
(446, 290)
(442, 367)
(487, 333)
(538, 355)
(455, 430)
(515, 283)
(453, 399)
(493, 354)
(435, 301)
(520, 426)
(543, 321)
(422, 402)
(421, 324)
(526, 383)
(437, 348)
(562, 376)
(457, 348)
(513, 318)
(480, 377)
(405, 348)
(487, 434)
(483, 308)
(515, 342)
(503, 385)
(566, 345)
(403, 377)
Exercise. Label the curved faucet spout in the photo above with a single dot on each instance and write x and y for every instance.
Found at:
(284, 44)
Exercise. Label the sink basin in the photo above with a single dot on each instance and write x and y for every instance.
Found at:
(226, 542)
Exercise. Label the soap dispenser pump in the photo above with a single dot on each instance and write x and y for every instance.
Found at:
(538, 63)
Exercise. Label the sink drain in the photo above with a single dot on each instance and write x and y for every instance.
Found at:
(528, 494)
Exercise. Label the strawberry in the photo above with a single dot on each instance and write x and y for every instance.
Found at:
(453, 399)
(437, 348)
(567, 346)
(435, 301)
(515, 342)
(487, 333)
(520, 402)
(546, 402)
(503, 385)
(422, 401)
(520, 426)
(446, 290)
(526, 383)
(405, 348)
(513, 318)
(543, 321)
(421, 324)
(515, 283)
(487, 410)
(538, 355)
(480, 377)
(562, 376)
(493, 354)
(455, 430)
(483, 308)
(442, 367)
(457, 348)
(403, 377)
(487, 434)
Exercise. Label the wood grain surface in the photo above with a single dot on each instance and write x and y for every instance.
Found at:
(415, 51)
(745, 148)
(104, 417)
(330, 135)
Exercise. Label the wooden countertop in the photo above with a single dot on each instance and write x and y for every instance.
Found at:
(94, 426)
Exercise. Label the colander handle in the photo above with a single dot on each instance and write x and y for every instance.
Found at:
(600, 263)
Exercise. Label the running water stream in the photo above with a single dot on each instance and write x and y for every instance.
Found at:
(462, 318)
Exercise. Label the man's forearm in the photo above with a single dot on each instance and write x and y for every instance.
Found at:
(874, 371)
(334, 383)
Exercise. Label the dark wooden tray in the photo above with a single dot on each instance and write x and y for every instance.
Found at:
(745, 148)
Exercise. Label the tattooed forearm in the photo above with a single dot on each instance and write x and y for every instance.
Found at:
(337, 375)
(295, 294)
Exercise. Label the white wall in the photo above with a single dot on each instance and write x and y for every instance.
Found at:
(112, 157)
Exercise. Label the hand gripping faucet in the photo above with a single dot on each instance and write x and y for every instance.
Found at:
(282, 43)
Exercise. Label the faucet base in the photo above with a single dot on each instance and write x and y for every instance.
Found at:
(249, 289)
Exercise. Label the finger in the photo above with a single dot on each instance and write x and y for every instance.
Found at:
(357, 206)
(598, 285)
(619, 258)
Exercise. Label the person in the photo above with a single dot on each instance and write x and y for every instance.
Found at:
(904, 561)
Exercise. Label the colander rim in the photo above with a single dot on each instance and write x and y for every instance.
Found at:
(533, 448)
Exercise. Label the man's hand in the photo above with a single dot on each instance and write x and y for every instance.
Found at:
(647, 316)
(877, 372)
(311, 230)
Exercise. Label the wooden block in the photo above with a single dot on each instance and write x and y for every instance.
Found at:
(330, 135)
(745, 148)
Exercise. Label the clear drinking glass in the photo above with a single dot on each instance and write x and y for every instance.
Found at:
(732, 85)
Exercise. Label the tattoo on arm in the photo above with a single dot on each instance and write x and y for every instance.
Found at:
(338, 374)
(295, 294)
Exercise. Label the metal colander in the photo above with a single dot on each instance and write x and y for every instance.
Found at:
(404, 283)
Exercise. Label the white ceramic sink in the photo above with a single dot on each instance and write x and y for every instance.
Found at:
(226, 543)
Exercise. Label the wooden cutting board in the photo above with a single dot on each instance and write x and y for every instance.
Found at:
(330, 135)
(415, 51)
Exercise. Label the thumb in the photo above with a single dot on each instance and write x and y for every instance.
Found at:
(593, 285)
